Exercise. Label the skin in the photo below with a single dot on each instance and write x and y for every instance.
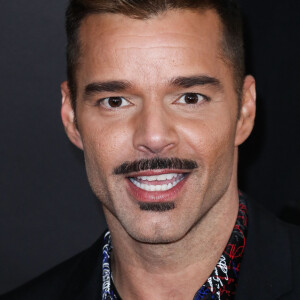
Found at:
(171, 253)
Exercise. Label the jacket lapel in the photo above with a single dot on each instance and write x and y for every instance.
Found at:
(266, 267)
(86, 279)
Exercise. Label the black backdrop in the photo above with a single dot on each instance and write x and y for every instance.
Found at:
(47, 211)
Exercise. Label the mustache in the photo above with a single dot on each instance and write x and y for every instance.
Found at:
(155, 164)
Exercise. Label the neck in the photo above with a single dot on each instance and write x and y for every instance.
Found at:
(175, 270)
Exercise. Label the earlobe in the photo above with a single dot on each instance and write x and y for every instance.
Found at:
(68, 117)
(247, 111)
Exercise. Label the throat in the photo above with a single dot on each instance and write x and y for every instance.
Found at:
(172, 278)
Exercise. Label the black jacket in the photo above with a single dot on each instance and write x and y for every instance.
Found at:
(270, 268)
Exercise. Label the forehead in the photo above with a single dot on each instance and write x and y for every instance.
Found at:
(177, 40)
(186, 22)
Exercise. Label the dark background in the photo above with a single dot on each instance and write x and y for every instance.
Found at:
(47, 211)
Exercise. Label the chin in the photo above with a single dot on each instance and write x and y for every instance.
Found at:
(156, 240)
(158, 233)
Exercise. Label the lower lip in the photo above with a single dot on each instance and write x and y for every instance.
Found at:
(161, 196)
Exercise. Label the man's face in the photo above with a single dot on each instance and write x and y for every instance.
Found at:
(159, 93)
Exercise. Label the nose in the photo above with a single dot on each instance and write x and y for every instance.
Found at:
(155, 131)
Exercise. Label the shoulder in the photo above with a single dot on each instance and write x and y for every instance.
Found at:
(294, 237)
(267, 226)
(55, 283)
(272, 256)
(269, 234)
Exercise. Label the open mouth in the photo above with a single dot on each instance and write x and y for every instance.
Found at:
(157, 183)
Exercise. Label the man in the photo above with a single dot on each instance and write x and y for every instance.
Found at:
(158, 101)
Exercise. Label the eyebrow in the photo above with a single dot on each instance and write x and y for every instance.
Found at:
(190, 81)
(181, 81)
(106, 86)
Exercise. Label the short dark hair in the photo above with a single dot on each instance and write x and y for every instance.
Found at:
(228, 11)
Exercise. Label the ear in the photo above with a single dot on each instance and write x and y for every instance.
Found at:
(247, 111)
(68, 116)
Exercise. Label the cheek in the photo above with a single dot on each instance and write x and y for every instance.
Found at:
(208, 139)
(104, 149)
(105, 145)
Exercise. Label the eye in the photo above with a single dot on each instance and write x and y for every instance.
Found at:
(114, 102)
(192, 98)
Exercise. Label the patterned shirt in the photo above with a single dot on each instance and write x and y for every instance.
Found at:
(220, 285)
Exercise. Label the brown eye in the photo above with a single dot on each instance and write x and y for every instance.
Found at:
(191, 98)
(113, 102)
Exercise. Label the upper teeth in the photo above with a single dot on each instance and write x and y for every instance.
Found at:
(158, 177)
(157, 187)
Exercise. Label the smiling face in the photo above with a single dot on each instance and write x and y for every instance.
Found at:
(157, 120)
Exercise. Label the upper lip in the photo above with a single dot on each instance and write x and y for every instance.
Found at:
(157, 172)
